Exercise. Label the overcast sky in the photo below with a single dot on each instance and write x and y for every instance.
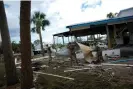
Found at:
(62, 13)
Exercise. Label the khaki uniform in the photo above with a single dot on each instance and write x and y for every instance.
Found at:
(72, 54)
(49, 54)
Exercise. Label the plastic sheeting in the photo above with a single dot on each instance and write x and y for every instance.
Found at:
(87, 51)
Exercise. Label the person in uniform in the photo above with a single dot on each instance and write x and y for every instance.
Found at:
(99, 56)
(71, 47)
(49, 54)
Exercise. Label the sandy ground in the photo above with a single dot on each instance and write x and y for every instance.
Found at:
(91, 77)
(83, 76)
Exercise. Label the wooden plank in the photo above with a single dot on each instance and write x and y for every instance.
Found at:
(76, 69)
(125, 65)
(54, 75)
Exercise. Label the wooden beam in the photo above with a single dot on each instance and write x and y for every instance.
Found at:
(54, 75)
(124, 65)
(76, 69)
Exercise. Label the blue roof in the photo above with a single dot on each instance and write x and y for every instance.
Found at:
(100, 22)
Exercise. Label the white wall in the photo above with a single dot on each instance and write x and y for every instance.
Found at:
(126, 12)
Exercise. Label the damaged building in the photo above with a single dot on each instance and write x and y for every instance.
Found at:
(118, 30)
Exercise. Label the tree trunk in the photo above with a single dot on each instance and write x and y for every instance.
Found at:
(11, 76)
(25, 37)
(40, 36)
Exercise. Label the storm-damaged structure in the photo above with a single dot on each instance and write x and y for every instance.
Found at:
(118, 31)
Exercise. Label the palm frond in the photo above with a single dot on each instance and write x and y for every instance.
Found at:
(33, 29)
(42, 16)
(37, 14)
(33, 20)
(45, 23)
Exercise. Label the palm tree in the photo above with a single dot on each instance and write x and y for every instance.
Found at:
(39, 21)
(25, 37)
(15, 47)
(111, 15)
(11, 76)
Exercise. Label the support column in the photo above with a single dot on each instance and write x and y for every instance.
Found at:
(53, 40)
(68, 39)
(63, 40)
(55, 43)
(57, 39)
(97, 36)
(114, 32)
(110, 36)
(71, 39)
(75, 38)
(130, 29)
(94, 39)
(87, 38)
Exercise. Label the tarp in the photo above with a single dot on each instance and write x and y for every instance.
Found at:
(87, 51)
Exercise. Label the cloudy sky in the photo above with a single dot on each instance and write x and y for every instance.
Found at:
(62, 13)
